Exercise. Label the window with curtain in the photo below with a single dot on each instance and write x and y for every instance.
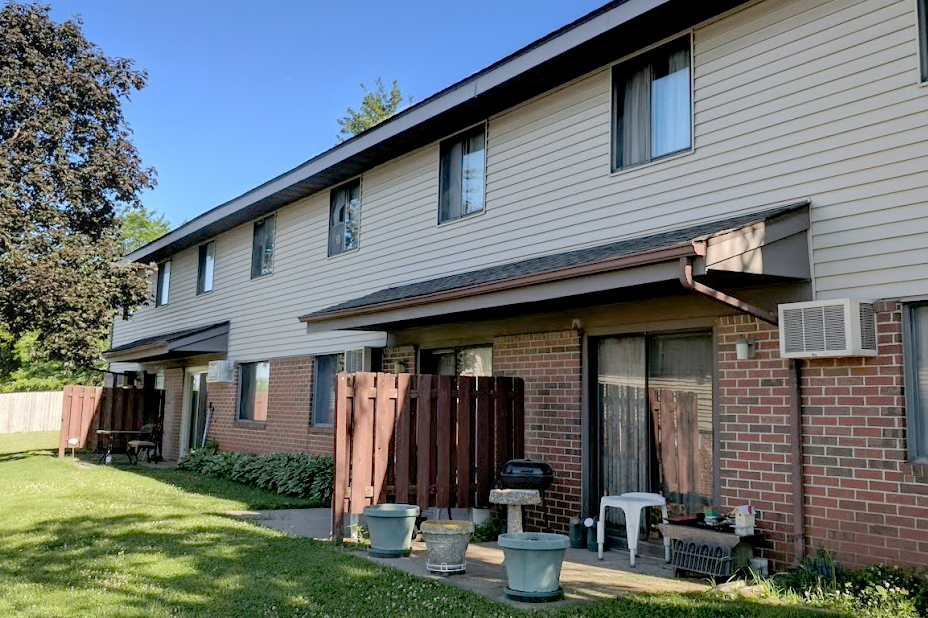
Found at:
(206, 265)
(163, 286)
(462, 175)
(916, 379)
(253, 392)
(327, 367)
(262, 248)
(652, 115)
(923, 38)
(344, 217)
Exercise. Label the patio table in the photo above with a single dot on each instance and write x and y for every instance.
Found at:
(631, 503)
(113, 436)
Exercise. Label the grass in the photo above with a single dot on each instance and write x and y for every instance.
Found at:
(99, 541)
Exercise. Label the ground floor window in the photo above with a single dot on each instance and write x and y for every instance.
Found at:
(653, 423)
(254, 391)
(916, 379)
(327, 367)
(463, 361)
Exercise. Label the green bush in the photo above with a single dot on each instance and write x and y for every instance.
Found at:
(489, 530)
(290, 474)
(875, 591)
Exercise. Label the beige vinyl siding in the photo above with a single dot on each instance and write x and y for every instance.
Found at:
(792, 99)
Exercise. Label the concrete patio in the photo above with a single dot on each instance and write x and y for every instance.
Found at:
(583, 576)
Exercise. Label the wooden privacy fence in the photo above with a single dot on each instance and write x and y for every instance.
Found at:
(428, 440)
(85, 409)
(21, 412)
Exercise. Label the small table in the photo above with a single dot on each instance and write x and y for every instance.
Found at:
(514, 499)
(114, 435)
(631, 503)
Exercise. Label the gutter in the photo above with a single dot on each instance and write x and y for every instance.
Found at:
(686, 278)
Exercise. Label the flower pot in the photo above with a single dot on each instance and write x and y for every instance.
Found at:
(533, 565)
(447, 544)
(390, 528)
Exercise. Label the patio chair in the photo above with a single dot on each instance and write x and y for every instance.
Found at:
(148, 443)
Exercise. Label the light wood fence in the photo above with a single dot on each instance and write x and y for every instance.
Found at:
(22, 412)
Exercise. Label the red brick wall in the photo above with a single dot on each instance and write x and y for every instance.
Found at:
(173, 408)
(550, 365)
(864, 502)
(753, 402)
(404, 353)
(287, 427)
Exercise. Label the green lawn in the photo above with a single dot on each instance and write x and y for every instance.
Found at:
(87, 540)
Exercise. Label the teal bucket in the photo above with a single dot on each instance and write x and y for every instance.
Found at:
(390, 529)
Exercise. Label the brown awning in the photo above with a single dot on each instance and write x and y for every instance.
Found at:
(211, 339)
(770, 243)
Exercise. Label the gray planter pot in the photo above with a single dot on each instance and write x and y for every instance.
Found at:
(447, 544)
(533, 565)
(390, 527)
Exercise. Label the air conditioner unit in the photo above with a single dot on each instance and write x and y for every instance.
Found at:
(827, 328)
(221, 371)
(363, 359)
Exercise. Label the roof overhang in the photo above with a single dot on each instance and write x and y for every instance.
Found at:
(603, 36)
(212, 339)
(763, 246)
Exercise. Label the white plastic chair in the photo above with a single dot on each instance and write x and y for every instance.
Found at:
(631, 503)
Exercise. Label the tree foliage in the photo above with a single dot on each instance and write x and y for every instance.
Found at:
(140, 226)
(67, 168)
(376, 106)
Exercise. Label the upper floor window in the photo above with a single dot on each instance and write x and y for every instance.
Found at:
(923, 38)
(163, 286)
(915, 354)
(262, 248)
(462, 177)
(344, 217)
(207, 264)
(255, 378)
(327, 367)
(652, 105)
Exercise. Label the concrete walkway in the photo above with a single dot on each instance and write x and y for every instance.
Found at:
(583, 576)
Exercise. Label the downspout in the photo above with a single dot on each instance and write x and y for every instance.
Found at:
(795, 387)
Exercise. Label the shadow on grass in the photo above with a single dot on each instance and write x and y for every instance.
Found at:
(27, 454)
(205, 566)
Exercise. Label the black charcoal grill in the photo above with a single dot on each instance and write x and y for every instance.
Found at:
(526, 474)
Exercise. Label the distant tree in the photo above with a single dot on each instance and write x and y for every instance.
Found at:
(376, 106)
(67, 168)
(140, 226)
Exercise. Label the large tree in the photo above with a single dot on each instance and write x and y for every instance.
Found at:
(67, 168)
(140, 226)
(376, 106)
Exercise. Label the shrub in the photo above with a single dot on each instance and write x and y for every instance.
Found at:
(875, 592)
(291, 474)
(489, 530)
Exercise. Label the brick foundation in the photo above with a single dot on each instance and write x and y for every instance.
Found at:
(863, 500)
(287, 427)
(550, 364)
(404, 354)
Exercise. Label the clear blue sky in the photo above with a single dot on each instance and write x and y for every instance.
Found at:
(239, 92)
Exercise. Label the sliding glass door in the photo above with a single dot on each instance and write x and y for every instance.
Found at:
(652, 426)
